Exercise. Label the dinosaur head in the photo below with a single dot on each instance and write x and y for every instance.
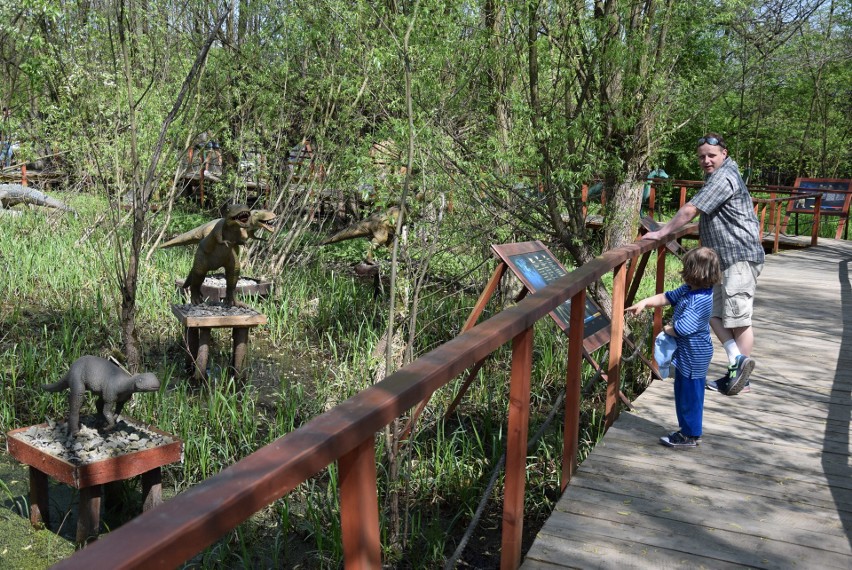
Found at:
(263, 219)
(238, 213)
(146, 383)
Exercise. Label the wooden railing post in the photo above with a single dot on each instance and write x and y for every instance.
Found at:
(573, 385)
(815, 228)
(516, 450)
(359, 508)
(619, 286)
(776, 220)
(659, 288)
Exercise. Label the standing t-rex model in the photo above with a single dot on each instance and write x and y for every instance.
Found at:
(258, 220)
(220, 249)
(112, 385)
(13, 194)
(379, 227)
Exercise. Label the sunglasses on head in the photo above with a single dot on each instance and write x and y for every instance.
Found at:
(711, 141)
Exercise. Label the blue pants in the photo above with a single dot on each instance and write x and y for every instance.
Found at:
(689, 403)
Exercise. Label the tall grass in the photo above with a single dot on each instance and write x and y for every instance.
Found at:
(59, 301)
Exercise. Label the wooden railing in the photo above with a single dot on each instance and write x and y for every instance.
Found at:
(774, 209)
(168, 535)
(763, 206)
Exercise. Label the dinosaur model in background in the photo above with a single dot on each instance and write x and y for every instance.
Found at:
(112, 385)
(13, 194)
(258, 220)
(220, 249)
(379, 227)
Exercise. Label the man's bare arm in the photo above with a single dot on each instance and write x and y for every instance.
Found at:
(683, 216)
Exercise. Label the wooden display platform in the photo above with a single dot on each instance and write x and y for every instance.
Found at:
(89, 478)
(197, 334)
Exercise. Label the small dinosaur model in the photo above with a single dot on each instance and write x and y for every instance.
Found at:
(379, 227)
(220, 249)
(13, 194)
(112, 385)
(258, 220)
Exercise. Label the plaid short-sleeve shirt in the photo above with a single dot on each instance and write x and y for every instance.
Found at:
(728, 224)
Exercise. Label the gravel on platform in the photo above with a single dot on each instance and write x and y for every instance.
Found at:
(90, 445)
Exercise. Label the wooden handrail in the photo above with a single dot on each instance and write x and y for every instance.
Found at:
(171, 533)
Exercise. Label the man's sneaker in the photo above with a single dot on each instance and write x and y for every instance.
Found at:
(679, 441)
(738, 374)
(721, 385)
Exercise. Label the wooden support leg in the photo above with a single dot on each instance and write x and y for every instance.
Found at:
(202, 354)
(152, 489)
(39, 506)
(241, 336)
(190, 336)
(89, 516)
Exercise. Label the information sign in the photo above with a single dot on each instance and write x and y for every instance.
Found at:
(536, 267)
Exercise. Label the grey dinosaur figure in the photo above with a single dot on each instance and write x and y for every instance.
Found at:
(258, 220)
(220, 248)
(379, 227)
(13, 194)
(112, 385)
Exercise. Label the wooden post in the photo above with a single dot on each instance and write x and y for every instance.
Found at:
(660, 287)
(815, 228)
(359, 508)
(615, 344)
(516, 449)
(241, 337)
(202, 354)
(190, 335)
(89, 514)
(152, 489)
(573, 385)
(39, 504)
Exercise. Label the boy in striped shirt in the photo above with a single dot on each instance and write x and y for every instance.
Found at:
(690, 327)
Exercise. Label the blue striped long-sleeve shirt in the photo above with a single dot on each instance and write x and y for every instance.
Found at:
(691, 320)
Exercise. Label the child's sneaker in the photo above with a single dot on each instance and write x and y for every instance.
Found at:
(678, 440)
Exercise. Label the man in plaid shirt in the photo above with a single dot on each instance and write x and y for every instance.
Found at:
(729, 226)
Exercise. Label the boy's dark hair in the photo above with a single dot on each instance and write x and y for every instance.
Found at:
(701, 268)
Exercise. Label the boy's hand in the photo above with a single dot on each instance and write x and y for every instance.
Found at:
(636, 309)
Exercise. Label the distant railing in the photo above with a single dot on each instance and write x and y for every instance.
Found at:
(762, 206)
(173, 532)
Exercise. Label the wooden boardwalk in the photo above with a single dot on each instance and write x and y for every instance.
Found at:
(770, 486)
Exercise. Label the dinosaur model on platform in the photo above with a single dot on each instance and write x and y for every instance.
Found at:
(379, 227)
(220, 249)
(13, 194)
(111, 384)
(258, 220)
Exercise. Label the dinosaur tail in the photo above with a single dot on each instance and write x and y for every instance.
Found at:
(182, 239)
(352, 232)
(54, 203)
(56, 386)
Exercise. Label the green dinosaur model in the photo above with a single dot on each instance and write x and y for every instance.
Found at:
(220, 249)
(379, 227)
(258, 220)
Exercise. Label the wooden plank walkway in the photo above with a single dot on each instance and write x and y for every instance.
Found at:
(770, 486)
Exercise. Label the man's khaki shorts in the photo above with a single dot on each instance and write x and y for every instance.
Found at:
(733, 299)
